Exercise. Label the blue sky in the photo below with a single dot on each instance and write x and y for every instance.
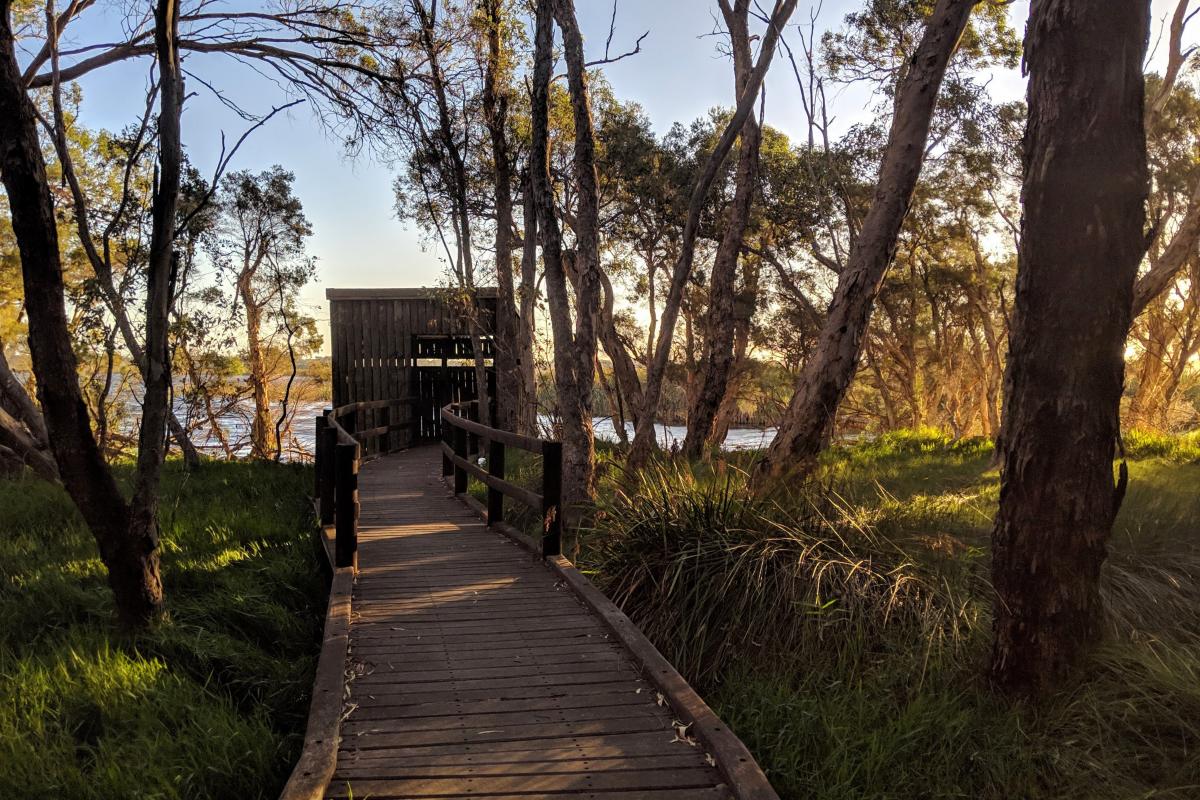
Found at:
(678, 76)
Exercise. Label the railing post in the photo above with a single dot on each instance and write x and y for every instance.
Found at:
(496, 470)
(444, 435)
(318, 443)
(551, 499)
(460, 449)
(472, 414)
(346, 548)
(326, 472)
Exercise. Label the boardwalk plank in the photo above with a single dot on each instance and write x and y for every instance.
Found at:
(458, 708)
(374, 767)
(526, 784)
(712, 793)
(504, 720)
(388, 696)
(475, 672)
(612, 745)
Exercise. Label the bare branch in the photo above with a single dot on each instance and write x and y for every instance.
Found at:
(637, 48)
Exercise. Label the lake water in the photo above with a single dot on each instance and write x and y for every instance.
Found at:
(671, 435)
(668, 435)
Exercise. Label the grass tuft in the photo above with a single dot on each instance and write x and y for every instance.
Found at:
(712, 573)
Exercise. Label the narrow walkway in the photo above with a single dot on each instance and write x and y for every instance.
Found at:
(475, 673)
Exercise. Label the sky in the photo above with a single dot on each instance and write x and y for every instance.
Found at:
(677, 77)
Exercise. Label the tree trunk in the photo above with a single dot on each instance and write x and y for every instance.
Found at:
(1081, 242)
(574, 349)
(744, 307)
(826, 375)
(651, 307)
(629, 386)
(210, 413)
(457, 184)
(22, 427)
(132, 558)
(25, 448)
(551, 240)
(1143, 406)
(616, 408)
(22, 403)
(526, 331)
(587, 261)
(1166, 267)
(100, 263)
(977, 296)
(717, 356)
(156, 371)
(260, 423)
(509, 386)
(644, 436)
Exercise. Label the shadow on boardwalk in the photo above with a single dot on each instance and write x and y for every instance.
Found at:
(475, 671)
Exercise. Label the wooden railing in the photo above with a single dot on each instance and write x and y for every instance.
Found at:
(342, 442)
(461, 434)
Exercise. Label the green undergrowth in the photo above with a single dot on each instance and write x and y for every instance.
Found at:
(524, 469)
(841, 628)
(210, 703)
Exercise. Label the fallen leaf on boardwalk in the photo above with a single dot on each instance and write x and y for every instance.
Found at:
(681, 733)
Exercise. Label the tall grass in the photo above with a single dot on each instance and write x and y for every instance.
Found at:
(716, 574)
(841, 629)
(211, 703)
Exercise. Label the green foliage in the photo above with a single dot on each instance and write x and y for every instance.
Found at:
(841, 629)
(1149, 444)
(209, 704)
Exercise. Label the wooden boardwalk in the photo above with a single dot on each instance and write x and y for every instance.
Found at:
(475, 671)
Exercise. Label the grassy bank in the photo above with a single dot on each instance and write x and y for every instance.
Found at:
(841, 628)
(211, 703)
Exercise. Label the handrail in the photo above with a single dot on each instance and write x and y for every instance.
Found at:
(528, 443)
(339, 451)
(350, 430)
(367, 405)
(456, 461)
